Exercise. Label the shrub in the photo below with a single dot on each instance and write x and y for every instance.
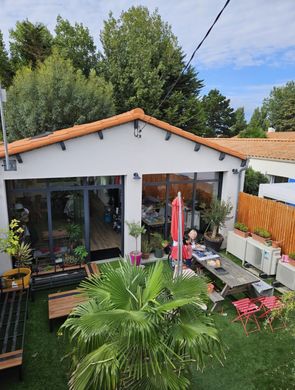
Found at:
(292, 255)
(241, 226)
(262, 232)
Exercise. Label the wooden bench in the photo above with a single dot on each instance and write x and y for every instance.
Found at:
(62, 303)
(216, 298)
(13, 315)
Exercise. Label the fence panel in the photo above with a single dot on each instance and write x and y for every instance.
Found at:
(277, 218)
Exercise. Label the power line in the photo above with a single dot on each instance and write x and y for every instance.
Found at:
(189, 62)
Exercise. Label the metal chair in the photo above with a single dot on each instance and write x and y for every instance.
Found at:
(247, 310)
(268, 306)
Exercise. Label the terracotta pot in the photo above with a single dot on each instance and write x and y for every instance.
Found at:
(240, 233)
(260, 239)
(22, 282)
(145, 255)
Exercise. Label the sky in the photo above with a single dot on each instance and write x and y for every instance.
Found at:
(250, 50)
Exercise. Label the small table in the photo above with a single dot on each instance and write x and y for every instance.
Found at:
(157, 223)
(235, 278)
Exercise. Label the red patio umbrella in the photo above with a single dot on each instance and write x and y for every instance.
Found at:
(179, 251)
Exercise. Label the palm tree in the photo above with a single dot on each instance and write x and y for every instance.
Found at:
(140, 329)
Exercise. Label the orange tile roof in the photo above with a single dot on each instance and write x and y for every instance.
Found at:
(27, 144)
(273, 149)
(281, 135)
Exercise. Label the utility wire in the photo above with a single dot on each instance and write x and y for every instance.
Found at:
(189, 62)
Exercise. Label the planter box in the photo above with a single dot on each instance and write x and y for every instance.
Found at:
(260, 239)
(240, 233)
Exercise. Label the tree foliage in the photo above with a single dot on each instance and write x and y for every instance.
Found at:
(142, 59)
(280, 107)
(55, 96)
(5, 65)
(29, 44)
(239, 121)
(257, 126)
(76, 43)
(219, 114)
(252, 181)
(140, 329)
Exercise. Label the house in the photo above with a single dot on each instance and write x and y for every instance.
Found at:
(96, 176)
(273, 156)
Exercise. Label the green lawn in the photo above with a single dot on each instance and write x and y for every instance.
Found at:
(260, 361)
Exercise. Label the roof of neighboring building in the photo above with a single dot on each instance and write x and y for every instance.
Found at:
(27, 144)
(281, 135)
(271, 149)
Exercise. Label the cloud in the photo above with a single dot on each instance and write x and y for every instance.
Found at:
(248, 33)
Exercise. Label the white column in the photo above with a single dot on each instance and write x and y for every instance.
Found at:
(5, 260)
(132, 209)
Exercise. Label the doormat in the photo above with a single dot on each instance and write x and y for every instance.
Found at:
(104, 254)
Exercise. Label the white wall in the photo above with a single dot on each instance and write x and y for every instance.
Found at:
(274, 168)
(120, 153)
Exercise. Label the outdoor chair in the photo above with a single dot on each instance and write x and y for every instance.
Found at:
(247, 310)
(268, 305)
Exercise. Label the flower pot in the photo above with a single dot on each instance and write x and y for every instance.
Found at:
(10, 277)
(146, 255)
(240, 233)
(158, 253)
(259, 238)
(135, 257)
(213, 243)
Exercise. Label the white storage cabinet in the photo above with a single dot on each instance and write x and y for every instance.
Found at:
(286, 275)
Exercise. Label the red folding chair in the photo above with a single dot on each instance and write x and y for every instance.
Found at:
(246, 310)
(268, 305)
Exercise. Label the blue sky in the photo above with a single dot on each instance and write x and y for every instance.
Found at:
(250, 50)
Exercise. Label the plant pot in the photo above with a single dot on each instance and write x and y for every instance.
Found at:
(135, 257)
(240, 233)
(167, 249)
(158, 253)
(260, 239)
(146, 255)
(214, 243)
(21, 282)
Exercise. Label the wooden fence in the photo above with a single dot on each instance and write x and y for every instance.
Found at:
(277, 218)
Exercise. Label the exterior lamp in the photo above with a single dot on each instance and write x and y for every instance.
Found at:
(136, 176)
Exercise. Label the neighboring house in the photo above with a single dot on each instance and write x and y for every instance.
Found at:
(273, 156)
(125, 168)
(282, 192)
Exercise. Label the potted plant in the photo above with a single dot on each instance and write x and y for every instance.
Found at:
(241, 229)
(157, 241)
(261, 235)
(10, 243)
(145, 248)
(74, 233)
(81, 253)
(166, 246)
(291, 258)
(215, 217)
(135, 230)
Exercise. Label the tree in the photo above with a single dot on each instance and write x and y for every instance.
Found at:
(239, 121)
(219, 114)
(139, 329)
(29, 43)
(76, 43)
(5, 66)
(55, 96)
(257, 126)
(280, 107)
(252, 181)
(142, 59)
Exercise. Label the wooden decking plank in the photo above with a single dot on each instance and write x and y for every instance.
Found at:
(11, 359)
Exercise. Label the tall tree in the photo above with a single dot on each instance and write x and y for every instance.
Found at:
(252, 181)
(280, 107)
(239, 120)
(29, 43)
(76, 43)
(219, 114)
(5, 65)
(142, 59)
(257, 126)
(55, 96)
(140, 329)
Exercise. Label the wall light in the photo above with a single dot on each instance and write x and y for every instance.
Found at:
(136, 176)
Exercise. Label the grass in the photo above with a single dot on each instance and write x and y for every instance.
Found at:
(262, 361)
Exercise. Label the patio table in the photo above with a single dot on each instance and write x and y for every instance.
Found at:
(235, 278)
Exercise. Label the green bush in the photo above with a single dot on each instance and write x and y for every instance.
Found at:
(262, 232)
(292, 255)
(241, 226)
